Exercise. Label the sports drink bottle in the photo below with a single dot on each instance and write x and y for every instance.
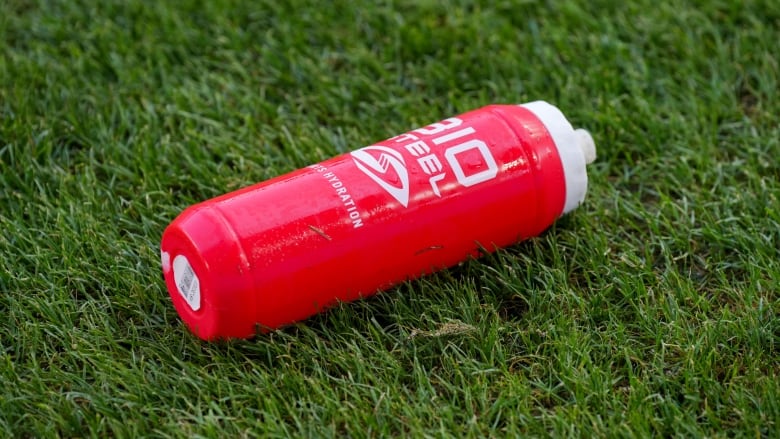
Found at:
(282, 250)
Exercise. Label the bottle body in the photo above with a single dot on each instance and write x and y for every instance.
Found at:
(282, 250)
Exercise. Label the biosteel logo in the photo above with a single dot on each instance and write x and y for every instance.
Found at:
(437, 148)
(387, 168)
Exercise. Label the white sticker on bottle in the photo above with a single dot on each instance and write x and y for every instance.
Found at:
(186, 281)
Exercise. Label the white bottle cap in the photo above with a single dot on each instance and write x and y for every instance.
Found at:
(576, 149)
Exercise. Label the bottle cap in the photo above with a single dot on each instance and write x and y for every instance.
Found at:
(576, 149)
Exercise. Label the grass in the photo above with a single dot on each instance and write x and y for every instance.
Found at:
(651, 310)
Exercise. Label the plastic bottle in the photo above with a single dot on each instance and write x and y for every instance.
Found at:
(282, 250)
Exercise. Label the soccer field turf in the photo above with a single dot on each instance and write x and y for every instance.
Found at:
(650, 310)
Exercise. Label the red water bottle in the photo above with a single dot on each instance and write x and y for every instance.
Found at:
(284, 249)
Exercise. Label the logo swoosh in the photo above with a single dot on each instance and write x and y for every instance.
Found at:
(385, 166)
